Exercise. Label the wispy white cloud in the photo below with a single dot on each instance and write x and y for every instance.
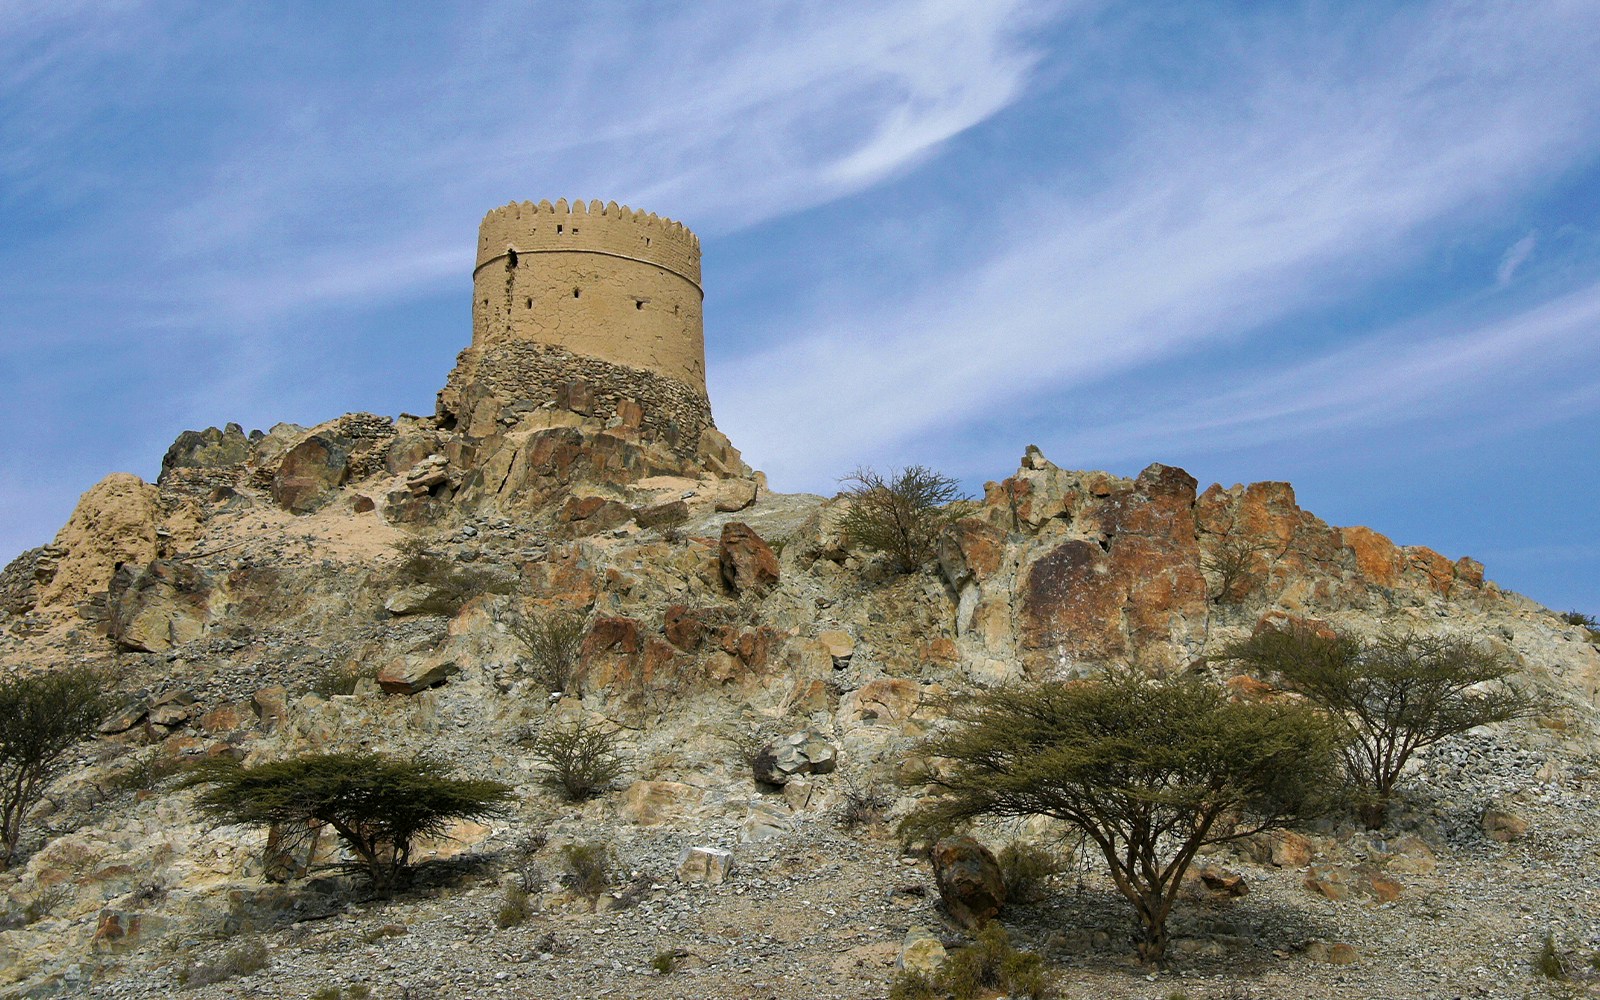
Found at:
(1515, 256)
(1464, 386)
(722, 113)
(1225, 214)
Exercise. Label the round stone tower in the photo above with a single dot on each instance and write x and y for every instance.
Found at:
(589, 310)
(599, 281)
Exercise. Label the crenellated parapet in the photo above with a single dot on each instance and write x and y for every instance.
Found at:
(598, 280)
(607, 229)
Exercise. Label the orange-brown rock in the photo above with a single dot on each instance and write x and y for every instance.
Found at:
(748, 564)
(309, 471)
(685, 627)
(887, 699)
(1438, 571)
(1385, 889)
(611, 635)
(1248, 688)
(1377, 558)
(1224, 882)
(971, 550)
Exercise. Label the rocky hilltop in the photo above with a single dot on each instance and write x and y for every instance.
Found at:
(354, 584)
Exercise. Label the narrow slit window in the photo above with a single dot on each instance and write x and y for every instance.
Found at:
(530, 302)
(576, 292)
(511, 259)
(558, 228)
(638, 303)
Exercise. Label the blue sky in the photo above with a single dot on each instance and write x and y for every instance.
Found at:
(1352, 246)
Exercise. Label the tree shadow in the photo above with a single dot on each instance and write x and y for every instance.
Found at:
(1093, 928)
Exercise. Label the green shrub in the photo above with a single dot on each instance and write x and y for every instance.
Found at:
(1393, 696)
(553, 640)
(377, 804)
(239, 960)
(914, 986)
(334, 680)
(664, 962)
(901, 515)
(582, 759)
(1590, 625)
(42, 716)
(587, 868)
(1025, 868)
(991, 963)
(1549, 962)
(514, 909)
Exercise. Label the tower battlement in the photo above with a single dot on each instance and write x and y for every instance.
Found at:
(598, 280)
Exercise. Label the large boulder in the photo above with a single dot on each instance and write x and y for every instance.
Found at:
(210, 449)
(309, 472)
(969, 880)
(797, 754)
(1123, 585)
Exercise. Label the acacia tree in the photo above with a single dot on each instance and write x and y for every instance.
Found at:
(377, 804)
(42, 716)
(1393, 696)
(902, 514)
(1150, 771)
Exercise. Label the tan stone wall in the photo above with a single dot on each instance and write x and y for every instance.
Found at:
(600, 281)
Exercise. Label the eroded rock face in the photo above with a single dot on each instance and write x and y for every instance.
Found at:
(161, 605)
(1096, 598)
(210, 449)
(1065, 571)
(115, 523)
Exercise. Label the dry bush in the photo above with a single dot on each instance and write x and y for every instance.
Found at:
(583, 759)
(861, 802)
(1025, 868)
(239, 960)
(901, 515)
(1233, 563)
(587, 868)
(553, 640)
(514, 909)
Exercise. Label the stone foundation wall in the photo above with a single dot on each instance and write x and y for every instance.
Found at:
(490, 386)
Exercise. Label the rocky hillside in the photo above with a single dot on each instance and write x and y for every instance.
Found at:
(354, 584)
